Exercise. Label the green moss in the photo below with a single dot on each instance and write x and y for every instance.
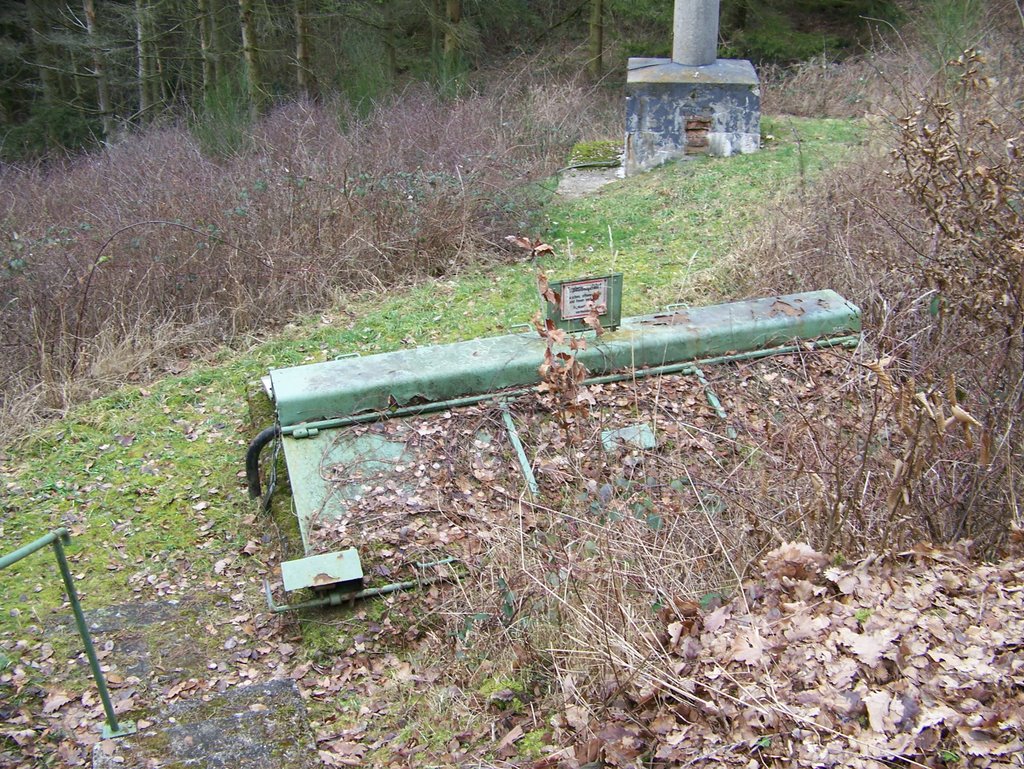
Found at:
(503, 693)
(584, 153)
(532, 744)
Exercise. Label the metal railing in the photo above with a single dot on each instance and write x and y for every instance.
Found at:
(58, 538)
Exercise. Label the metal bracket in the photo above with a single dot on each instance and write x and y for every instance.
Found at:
(338, 597)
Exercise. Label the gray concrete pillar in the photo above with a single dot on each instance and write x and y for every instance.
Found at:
(695, 38)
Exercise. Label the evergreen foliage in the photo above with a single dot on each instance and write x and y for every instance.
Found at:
(70, 79)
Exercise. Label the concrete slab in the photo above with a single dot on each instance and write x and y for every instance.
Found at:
(126, 616)
(579, 182)
(262, 726)
(155, 641)
(639, 436)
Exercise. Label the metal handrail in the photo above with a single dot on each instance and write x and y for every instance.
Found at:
(58, 538)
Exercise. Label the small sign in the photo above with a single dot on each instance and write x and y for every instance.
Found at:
(574, 300)
(579, 297)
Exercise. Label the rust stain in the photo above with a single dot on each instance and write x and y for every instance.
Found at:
(673, 319)
(780, 307)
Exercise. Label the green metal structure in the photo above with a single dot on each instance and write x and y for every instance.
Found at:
(313, 401)
(58, 539)
(316, 396)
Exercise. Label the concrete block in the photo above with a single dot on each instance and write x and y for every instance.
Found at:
(673, 110)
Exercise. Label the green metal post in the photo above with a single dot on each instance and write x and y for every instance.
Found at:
(112, 728)
(58, 539)
(524, 462)
(715, 403)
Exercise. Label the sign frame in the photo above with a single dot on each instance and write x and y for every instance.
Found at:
(576, 296)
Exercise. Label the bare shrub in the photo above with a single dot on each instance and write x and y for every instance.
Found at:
(928, 241)
(822, 87)
(899, 63)
(152, 234)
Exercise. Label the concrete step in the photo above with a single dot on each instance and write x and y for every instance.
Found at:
(263, 726)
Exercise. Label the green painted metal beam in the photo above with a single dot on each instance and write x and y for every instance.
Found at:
(351, 386)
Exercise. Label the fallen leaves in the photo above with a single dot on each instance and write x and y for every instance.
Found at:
(888, 661)
(55, 701)
(868, 647)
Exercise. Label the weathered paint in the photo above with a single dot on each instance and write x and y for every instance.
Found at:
(428, 374)
(663, 96)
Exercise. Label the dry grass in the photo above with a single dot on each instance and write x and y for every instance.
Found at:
(900, 62)
(107, 254)
(927, 240)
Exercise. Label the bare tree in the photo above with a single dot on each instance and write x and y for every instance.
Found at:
(304, 77)
(45, 60)
(147, 58)
(207, 48)
(453, 15)
(596, 37)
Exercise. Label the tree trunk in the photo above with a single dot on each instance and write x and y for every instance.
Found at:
(102, 88)
(250, 53)
(304, 77)
(453, 15)
(735, 15)
(596, 37)
(45, 60)
(391, 40)
(145, 56)
(436, 25)
(217, 41)
(206, 27)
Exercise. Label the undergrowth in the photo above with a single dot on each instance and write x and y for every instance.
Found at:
(928, 240)
(137, 254)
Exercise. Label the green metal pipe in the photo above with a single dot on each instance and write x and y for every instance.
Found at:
(58, 538)
(44, 541)
(405, 411)
(524, 462)
(431, 564)
(337, 598)
(307, 428)
(713, 400)
(715, 403)
(112, 728)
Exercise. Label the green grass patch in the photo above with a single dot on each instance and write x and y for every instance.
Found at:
(672, 232)
(598, 152)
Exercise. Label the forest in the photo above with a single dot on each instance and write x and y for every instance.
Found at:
(74, 75)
